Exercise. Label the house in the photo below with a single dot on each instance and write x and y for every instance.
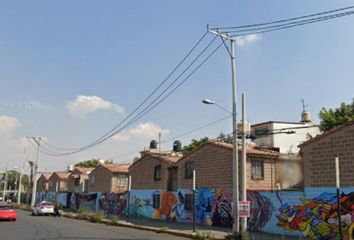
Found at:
(154, 170)
(318, 156)
(42, 182)
(286, 136)
(212, 162)
(58, 182)
(78, 179)
(109, 178)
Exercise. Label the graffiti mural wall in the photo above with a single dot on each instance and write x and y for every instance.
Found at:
(160, 205)
(113, 204)
(311, 214)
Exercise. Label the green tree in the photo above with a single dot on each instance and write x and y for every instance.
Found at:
(194, 144)
(225, 138)
(89, 163)
(331, 118)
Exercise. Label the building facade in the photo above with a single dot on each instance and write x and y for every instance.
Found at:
(78, 179)
(318, 155)
(213, 166)
(58, 182)
(155, 171)
(286, 136)
(109, 178)
(42, 182)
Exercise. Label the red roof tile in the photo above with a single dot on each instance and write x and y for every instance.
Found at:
(116, 168)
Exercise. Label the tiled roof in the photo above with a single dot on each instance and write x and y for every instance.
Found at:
(167, 158)
(63, 175)
(326, 133)
(252, 150)
(163, 157)
(84, 170)
(47, 175)
(116, 168)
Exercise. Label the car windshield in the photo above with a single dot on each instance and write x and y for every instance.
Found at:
(6, 208)
(46, 205)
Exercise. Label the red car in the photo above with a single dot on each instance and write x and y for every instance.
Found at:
(7, 212)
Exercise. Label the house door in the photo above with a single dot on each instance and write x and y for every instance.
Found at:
(172, 179)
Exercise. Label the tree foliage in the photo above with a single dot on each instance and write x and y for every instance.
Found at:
(13, 180)
(194, 144)
(89, 163)
(331, 118)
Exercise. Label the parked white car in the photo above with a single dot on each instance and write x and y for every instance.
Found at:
(43, 208)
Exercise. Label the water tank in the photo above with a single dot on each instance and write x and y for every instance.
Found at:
(305, 117)
(177, 146)
(153, 144)
(101, 161)
(70, 168)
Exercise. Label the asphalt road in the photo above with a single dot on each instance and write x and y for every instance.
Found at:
(29, 227)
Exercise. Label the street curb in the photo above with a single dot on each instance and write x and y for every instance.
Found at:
(140, 227)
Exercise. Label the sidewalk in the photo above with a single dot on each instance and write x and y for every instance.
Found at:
(183, 229)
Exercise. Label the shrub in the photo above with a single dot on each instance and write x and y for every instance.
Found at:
(114, 221)
(83, 214)
(95, 217)
(204, 235)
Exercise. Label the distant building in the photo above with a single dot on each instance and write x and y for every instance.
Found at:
(285, 136)
(213, 165)
(42, 182)
(109, 177)
(318, 156)
(58, 182)
(154, 170)
(78, 179)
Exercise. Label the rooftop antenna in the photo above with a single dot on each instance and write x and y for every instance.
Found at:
(304, 106)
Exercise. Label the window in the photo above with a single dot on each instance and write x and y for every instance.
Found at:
(122, 180)
(77, 182)
(257, 169)
(157, 172)
(188, 202)
(189, 167)
(156, 200)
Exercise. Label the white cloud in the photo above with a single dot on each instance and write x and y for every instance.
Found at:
(84, 105)
(7, 124)
(143, 131)
(248, 39)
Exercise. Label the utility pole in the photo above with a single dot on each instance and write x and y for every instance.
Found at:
(5, 184)
(338, 198)
(244, 162)
(21, 173)
(235, 177)
(34, 188)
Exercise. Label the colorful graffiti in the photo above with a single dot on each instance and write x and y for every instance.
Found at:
(317, 218)
(113, 204)
(261, 211)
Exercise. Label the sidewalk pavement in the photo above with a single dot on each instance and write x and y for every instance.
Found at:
(183, 229)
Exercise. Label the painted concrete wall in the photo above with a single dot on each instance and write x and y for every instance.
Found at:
(311, 214)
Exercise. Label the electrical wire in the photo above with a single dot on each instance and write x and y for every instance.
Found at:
(285, 20)
(288, 25)
(147, 109)
(139, 106)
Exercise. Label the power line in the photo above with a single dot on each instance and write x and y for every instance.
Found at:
(147, 108)
(138, 107)
(289, 25)
(285, 20)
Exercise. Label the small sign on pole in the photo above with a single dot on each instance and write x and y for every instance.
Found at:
(244, 208)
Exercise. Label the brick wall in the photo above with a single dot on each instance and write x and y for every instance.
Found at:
(213, 165)
(42, 184)
(318, 157)
(52, 183)
(115, 187)
(102, 180)
(142, 174)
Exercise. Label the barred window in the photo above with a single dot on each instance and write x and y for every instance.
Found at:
(257, 169)
(156, 200)
(189, 167)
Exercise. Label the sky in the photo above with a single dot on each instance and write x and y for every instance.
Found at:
(71, 70)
